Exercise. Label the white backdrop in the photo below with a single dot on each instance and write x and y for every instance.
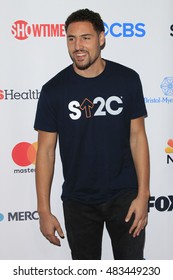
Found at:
(32, 50)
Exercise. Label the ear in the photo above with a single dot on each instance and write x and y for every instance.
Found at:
(102, 39)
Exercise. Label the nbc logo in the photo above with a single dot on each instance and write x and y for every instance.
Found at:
(169, 150)
(24, 154)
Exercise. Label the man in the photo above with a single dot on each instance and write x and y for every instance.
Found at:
(96, 109)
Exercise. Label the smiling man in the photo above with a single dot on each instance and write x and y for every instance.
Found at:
(96, 109)
(84, 48)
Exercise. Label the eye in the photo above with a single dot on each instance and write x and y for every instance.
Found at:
(70, 39)
(86, 37)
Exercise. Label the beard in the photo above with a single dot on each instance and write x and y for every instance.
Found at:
(87, 64)
(84, 66)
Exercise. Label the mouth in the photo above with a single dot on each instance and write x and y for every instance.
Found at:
(80, 56)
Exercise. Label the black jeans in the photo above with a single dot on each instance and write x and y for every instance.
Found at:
(84, 226)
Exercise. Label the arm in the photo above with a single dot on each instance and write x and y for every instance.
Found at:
(140, 154)
(44, 174)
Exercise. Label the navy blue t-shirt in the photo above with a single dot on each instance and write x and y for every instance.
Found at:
(92, 117)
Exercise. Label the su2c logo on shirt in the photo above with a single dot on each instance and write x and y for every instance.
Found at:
(113, 106)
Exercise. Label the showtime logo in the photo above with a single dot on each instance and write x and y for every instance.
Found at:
(24, 154)
(22, 30)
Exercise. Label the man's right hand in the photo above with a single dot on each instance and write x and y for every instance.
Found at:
(49, 226)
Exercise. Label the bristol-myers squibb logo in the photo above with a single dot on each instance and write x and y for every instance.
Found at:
(167, 89)
(167, 86)
(125, 29)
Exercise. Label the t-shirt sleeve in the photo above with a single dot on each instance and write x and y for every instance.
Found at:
(138, 108)
(45, 119)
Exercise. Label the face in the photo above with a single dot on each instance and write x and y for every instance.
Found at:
(84, 45)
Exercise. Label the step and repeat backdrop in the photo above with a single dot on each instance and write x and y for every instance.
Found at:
(139, 34)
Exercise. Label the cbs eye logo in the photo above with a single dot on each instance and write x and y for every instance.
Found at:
(24, 153)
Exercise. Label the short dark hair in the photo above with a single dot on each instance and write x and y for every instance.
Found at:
(86, 15)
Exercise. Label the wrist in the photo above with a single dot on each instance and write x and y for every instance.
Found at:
(43, 212)
(144, 194)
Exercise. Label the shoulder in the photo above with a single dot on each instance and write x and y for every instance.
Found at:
(121, 69)
(58, 80)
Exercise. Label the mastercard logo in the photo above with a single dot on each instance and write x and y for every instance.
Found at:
(169, 148)
(24, 153)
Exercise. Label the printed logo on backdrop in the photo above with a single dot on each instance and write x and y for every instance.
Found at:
(1, 217)
(125, 29)
(19, 216)
(167, 90)
(169, 151)
(24, 155)
(167, 86)
(22, 30)
(11, 94)
(171, 28)
(161, 203)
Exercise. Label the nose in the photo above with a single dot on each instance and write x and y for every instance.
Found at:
(78, 43)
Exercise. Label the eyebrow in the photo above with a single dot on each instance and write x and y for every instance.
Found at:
(82, 35)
